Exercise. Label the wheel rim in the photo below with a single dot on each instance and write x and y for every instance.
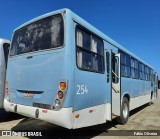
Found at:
(125, 110)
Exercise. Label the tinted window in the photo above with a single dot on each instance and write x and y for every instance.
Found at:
(89, 51)
(96, 45)
(83, 39)
(134, 68)
(150, 74)
(84, 59)
(147, 74)
(125, 65)
(44, 34)
(141, 71)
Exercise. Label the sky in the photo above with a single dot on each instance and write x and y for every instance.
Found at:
(135, 24)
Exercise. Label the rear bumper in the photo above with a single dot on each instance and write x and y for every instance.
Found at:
(62, 117)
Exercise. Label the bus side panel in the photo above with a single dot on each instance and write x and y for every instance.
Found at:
(69, 59)
(89, 99)
(138, 90)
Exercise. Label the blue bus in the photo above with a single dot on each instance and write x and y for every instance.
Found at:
(68, 73)
(4, 50)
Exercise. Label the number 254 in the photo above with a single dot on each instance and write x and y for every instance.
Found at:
(82, 89)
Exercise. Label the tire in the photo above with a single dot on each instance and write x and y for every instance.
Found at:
(123, 118)
(150, 103)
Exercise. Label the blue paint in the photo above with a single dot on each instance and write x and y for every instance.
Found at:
(47, 68)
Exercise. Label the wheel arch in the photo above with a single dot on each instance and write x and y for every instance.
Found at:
(124, 99)
(126, 95)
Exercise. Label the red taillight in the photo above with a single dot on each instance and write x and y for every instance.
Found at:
(6, 88)
(60, 94)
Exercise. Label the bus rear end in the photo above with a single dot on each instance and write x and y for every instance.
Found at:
(4, 48)
(36, 84)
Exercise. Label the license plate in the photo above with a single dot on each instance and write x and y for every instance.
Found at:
(29, 95)
(40, 105)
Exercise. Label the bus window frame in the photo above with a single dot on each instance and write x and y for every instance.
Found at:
(134, 59)
(78, 26)
(122, 64)
(60, 47)
(142, 64)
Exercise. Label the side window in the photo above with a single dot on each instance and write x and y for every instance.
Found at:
(89, 52)
(134, 68)
(154, 78)
(141, 71)
(6, 51)
(146, 73)
(125, 65)
(83, 47)
(151, 75)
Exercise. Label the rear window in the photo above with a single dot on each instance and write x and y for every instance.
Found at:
(43, 34)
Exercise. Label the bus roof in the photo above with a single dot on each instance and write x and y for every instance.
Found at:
(78, 19)
(4, 40)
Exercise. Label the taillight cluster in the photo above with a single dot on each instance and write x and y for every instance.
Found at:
(6, 91)
(60, 95)
(6, 88)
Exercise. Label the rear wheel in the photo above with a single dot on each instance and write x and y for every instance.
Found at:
(123, 118)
